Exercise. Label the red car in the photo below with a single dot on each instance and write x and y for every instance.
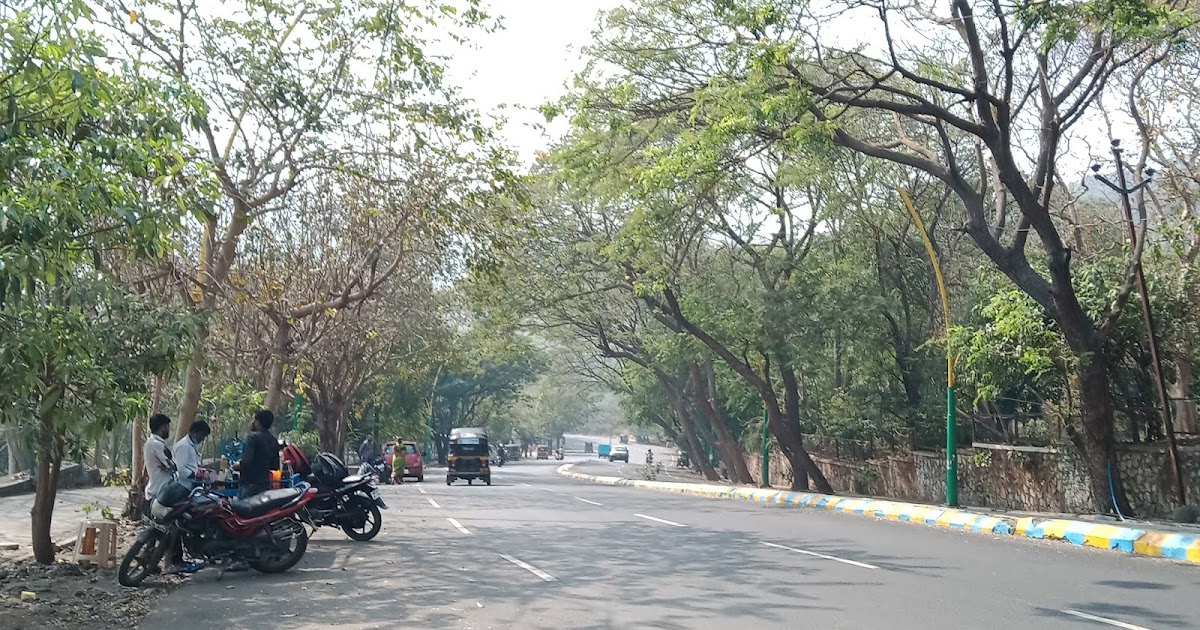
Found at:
(412, 458)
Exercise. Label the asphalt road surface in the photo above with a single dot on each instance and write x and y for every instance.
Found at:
(536, 550)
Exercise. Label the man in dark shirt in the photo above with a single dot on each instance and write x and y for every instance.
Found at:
(260, 455)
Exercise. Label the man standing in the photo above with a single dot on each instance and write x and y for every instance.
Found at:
(366, 452)
(159, 464)
(260, 456)
(187, 452)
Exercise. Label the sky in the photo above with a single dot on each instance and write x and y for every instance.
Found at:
(528, 62)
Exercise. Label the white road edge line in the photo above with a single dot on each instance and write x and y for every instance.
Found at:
(1104, 620)
(458, 525)
(530, 568)
(821, 555)
(659, 520)
(586, 501)
(421, 490)
(433, 503)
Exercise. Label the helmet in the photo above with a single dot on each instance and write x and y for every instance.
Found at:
(172, 494)
(329, 469)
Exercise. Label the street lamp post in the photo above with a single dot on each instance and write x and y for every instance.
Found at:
(766, 435)
(1122, 188)
(951, 415)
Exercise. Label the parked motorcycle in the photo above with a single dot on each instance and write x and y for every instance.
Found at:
(264, 531)
(349, 503)
(378, 468)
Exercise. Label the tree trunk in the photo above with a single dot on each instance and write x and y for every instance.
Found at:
(17, 461)
(114, 449)
(689, 429)
(706, 400)
(49, 464)
(1097, 441)
(330, 412)
(98, 453)
(279, 357)
(193, 384)
(1181, 390)
(791, 404)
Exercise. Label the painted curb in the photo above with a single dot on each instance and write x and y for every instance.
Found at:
(1184, 547)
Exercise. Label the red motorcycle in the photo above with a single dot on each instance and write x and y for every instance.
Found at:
(263, 531)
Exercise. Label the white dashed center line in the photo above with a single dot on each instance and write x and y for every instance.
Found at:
(1104, 620)
(421, 490)
(530, 568)
(659, 520)
(821, 555)
(458, 525)
(586, 501)
(433, 503)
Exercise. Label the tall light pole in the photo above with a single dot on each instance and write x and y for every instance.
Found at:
(951, 415)
(1122, 188)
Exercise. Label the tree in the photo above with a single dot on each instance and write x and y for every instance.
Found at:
(975, 112)
(88, 156)
(280, 97)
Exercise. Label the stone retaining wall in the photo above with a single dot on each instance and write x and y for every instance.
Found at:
(1009, 478)
(71, 476)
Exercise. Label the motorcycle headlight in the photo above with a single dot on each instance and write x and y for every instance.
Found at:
(158, 510)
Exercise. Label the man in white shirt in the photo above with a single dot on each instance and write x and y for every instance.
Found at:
(157, 455)
(160, 465)
(187, 452)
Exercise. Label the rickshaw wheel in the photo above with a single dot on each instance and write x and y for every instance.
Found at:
(449, 480)
(470, 482)
(488, 479)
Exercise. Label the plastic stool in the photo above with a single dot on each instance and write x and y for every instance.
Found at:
(96, 544)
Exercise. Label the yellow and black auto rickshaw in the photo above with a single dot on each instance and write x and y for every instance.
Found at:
(468, 456)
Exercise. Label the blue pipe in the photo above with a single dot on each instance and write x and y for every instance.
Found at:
(1112, 491)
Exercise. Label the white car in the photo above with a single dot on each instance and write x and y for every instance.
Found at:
(619, 453)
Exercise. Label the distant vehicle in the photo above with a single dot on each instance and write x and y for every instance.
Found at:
(603, 450)
(512, 452)
(624, 439)
(468, 456)
(543, 452)
(619, 453)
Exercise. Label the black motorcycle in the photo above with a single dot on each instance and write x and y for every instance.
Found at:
(351, 503)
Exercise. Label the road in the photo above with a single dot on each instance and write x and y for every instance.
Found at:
(68, 512)
(537, 550)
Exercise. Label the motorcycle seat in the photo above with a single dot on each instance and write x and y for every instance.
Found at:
(260, 504)
(352, 479)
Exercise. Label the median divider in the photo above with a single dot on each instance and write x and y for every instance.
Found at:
(1174, 546)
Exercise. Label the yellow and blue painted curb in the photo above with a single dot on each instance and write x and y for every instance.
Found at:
(1174, 546)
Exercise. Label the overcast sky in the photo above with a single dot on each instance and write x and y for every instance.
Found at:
(526, 63)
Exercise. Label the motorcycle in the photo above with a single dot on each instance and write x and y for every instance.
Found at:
(559, 455)
(351, 503)
(378, 468)
(264, 531)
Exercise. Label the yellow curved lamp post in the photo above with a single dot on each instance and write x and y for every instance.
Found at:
(951, 426)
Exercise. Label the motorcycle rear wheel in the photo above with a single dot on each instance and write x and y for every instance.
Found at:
(372, 519)
(147, 555)
(277, 560)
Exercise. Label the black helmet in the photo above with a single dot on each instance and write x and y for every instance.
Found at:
(173, 493)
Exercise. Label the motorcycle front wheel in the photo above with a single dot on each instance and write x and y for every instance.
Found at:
(277, 559)
(363, 519)
(141, 561)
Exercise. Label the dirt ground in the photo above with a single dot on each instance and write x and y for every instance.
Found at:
(70, 596)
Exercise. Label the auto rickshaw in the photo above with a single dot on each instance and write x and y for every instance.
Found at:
(468, 456)
(543, 452)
